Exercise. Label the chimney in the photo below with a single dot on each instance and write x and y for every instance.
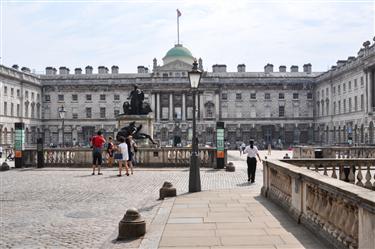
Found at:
(282, 69)
(361, 52)
(78, 70)
(294, 69)
(102, 70)
(333, 68)
(25, 70)
(268, 68)
(351, 58)
(88, 70)
(50, 71)
(141, 69)
(15, 66)
(63, 70)
(340, 63)
(241, 68)
(200, 64)
(114, 69)
(154, 64)
(146, 69)
(307, 68)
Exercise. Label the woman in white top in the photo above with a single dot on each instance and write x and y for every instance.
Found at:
(123, 149)
(252, 152)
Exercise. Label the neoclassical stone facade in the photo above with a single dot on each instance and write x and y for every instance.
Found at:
(281, 107)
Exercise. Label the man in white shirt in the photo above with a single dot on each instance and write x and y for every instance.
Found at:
(252, 152)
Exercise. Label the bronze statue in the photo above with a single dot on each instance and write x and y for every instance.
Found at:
(134, 131)
(136, 106)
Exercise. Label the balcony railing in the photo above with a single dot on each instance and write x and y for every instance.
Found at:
(334, 152)
(342, 213)
(145, 157)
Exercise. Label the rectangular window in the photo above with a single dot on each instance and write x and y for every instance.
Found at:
(295, 95)
(339, 105)
(362, 102)
(102, 112)
(11, 109)
(18, 110)
(88, 112)
(47, 98)
(102, 97)
(18, 92)
(177, 113)
(37, 96)
(344, 87)
(32, 96)
(355, 83)
(116, 97)
(253, 96)
(327, 91)
(339, 89)
(88, 97)
(344, 107)
(5, 108)
(281, 96)
(60, 97)
(267, 96)
(362, 81)
(334, 90)
(75, 115)
(350, 85)
(116, 113)
(238, 96)
(309, 95)
(224, 96)
(165, 113)
(281, 111)
(355, 103)
(5, 90)
(334, 108)
(12, 92)
(74, 97)
(350, 104)
(27, 94)
(189, 112)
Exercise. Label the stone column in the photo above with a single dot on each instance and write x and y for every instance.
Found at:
(152, 102)
(74, 135)
(183, 107)
(171, 112)
(158, 109)
(217, 106)
(201, 106)
(368, 94)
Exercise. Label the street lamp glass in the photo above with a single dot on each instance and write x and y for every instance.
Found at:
(195, 76)
(62, 112)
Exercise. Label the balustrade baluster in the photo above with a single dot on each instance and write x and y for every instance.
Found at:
(325, 169)
(368, 177)
(351, 174)
(316, 168)
(359, 177)
(334, 171)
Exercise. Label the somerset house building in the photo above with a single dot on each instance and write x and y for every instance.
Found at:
(281, 105)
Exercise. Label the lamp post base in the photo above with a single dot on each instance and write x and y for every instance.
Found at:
(194, 175)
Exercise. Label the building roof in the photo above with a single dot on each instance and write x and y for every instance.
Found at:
(179, 51)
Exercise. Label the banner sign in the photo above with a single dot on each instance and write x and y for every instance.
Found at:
(220, 145)
(19, 144)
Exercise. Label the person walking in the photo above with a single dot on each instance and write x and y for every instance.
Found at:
(132, 147)
(251, 151)
(97, 143)
(110, 149)
(123, 149)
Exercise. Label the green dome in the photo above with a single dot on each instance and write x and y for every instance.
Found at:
(179, 51)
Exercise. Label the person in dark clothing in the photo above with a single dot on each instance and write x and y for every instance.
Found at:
(251, 151)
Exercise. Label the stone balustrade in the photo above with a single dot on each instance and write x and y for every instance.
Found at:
(341, 213)
(148, 157)
(359, 171)
(335, 152)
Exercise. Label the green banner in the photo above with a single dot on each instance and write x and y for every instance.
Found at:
(220, 139)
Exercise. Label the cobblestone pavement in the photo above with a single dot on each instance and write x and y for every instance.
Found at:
(69, 208)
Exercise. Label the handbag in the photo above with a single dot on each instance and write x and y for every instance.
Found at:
(117, 156)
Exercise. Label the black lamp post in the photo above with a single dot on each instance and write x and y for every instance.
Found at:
(194, 174)
(62, 116)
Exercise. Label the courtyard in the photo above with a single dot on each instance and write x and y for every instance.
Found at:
(69, 208)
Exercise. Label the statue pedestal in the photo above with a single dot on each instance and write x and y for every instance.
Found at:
(147, 122)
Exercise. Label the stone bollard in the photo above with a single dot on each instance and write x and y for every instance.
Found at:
(132, 225)
(230, 167)
(167, 191)
(4, 167)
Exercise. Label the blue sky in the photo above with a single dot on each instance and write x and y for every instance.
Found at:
(58, 33)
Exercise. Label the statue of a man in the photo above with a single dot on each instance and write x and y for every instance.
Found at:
(136, 99)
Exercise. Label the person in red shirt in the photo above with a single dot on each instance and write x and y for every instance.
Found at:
(97, 143)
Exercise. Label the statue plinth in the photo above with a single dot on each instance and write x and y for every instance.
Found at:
(147, 122)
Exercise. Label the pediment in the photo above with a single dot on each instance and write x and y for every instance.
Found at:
(176, 65)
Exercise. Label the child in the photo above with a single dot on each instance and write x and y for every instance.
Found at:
(123, 149)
